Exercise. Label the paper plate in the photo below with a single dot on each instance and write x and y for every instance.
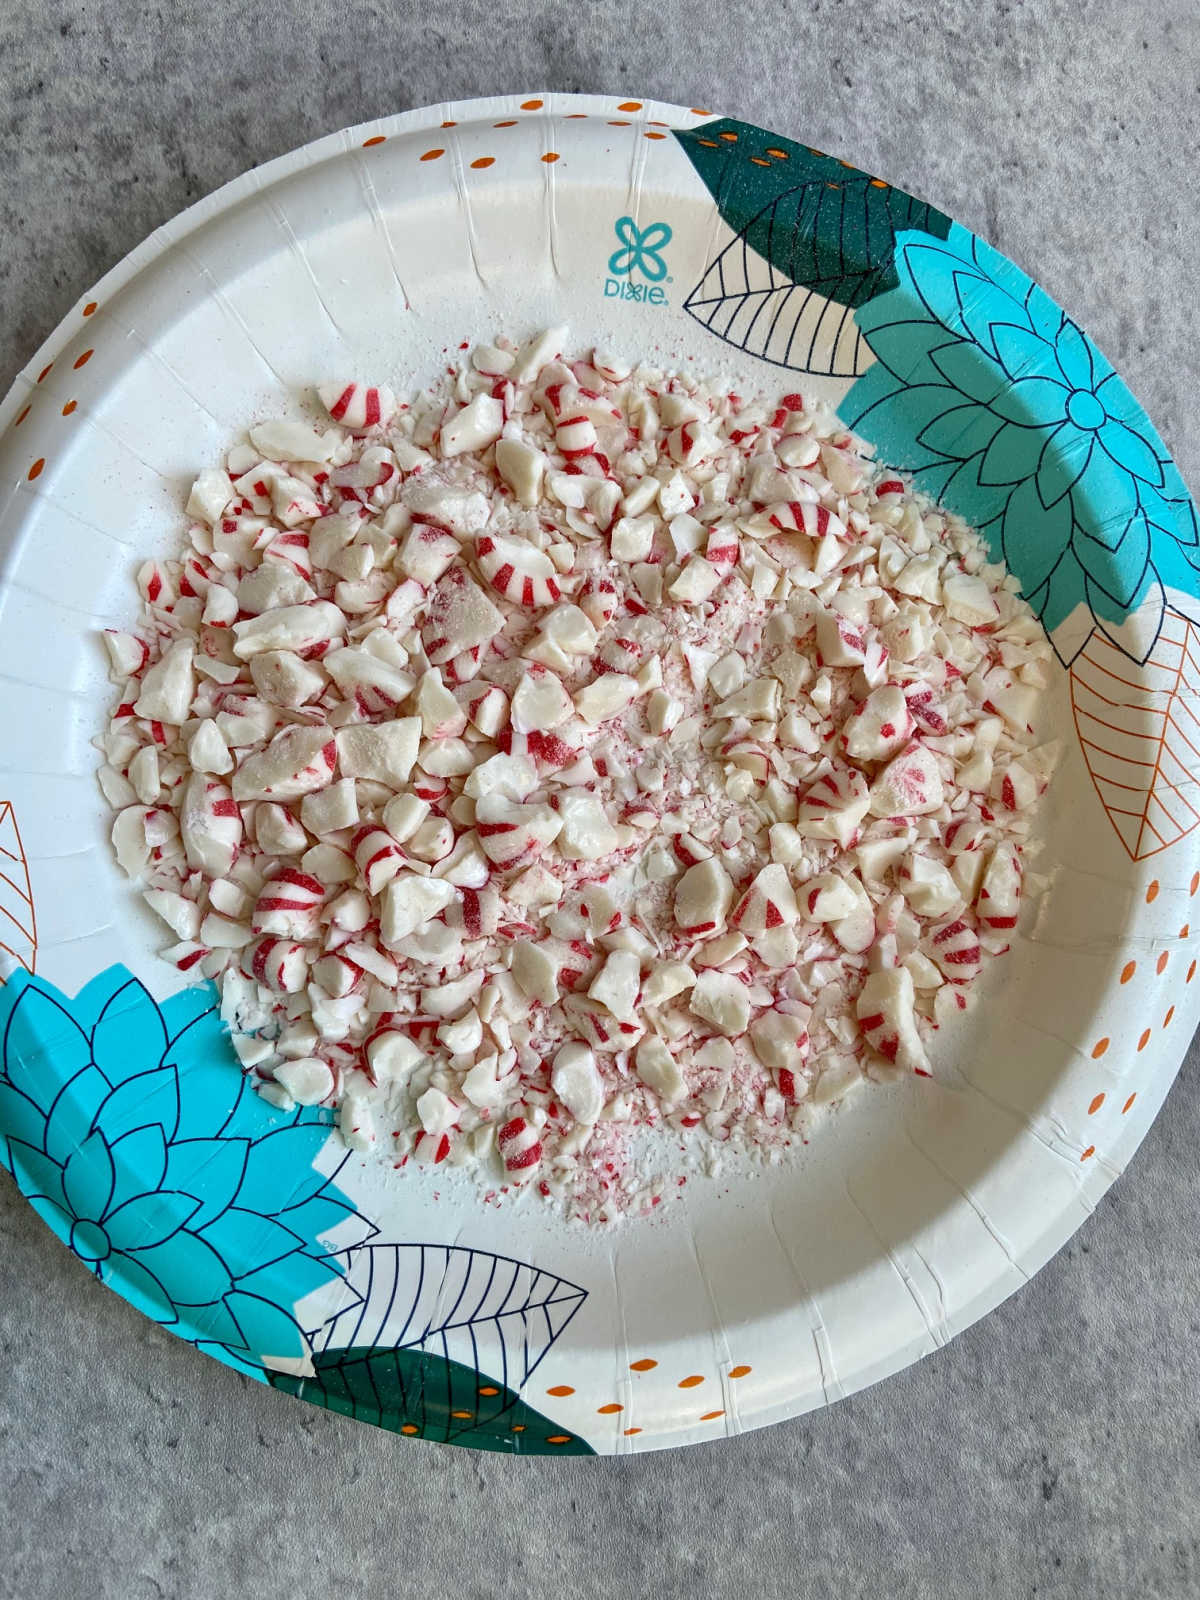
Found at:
(400, 1297)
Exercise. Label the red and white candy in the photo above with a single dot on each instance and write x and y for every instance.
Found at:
(886, 1015)
(909, 786)
(834, 806)
(955, 948)
(298, 761)
(280, 965)
(289, 905)
(211, 826)
(518, 570)
(768, 903)
(512, 833)
(879, 727)
(781, 1042)
(702, 898)
(999, 901)
(358, 406)
(519, 1146)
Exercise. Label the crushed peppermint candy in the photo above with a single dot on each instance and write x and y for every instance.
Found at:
(572, 751)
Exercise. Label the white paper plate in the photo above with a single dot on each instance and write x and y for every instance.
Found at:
(697, 240)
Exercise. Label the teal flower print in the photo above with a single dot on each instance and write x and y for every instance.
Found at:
(1003, 409)
(642, 250)
(132, 1131)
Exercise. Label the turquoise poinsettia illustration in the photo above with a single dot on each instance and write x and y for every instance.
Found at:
(133, 1133)
(1002, 408)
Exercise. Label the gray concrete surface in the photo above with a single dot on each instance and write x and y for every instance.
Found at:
(1054, 1450)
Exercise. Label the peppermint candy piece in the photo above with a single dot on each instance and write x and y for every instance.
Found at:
(280, 965)
(834, 806)
(377, 856)
(519, 1146)
(880, 726)
(999, 901)
(210, 824)
(768, 903)
(517, 570)
(358, 406)
(886, 1015)
(954, 946)
(289, 905)
(909, 786)
(702, 898)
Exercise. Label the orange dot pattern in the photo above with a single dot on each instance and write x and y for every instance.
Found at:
(378, 138)
(532, 105)
(45, 372)
(69, 407)
(1128, 1103)
(1100, 1046)
(1161, 964)
(83, 360)
(1143, 1041)
(561, 1389)
(22, 417)
(1195, 882)
(35, 470)
(550, 157)
(614, 1408)
(484, 161)
(1088, 1153)
(432, 155)
(1095, 1105)
(1167, 1018)
(1128, 970)
(1152, 892)
(630, 105)
(90, 308)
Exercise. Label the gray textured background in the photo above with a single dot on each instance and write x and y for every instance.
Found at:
(1054, 1450)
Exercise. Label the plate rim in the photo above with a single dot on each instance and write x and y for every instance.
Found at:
(1099, 1175)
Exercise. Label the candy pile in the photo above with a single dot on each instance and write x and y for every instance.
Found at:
(571, 751)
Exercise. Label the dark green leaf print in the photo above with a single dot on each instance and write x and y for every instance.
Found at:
(804, 221)
(423, 1395)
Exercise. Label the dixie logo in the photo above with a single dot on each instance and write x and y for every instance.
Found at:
(641, 252)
